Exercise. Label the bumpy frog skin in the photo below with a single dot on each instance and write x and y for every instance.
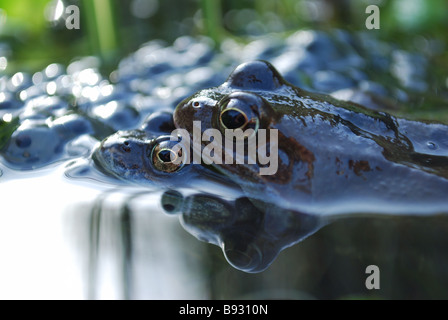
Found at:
(335, 158)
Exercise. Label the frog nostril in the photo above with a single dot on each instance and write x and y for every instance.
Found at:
(431, 145)
(125, 147)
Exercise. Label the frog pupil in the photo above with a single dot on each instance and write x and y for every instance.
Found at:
(164, 155)
(233, 119)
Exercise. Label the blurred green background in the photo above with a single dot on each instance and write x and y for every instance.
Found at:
(33, 32)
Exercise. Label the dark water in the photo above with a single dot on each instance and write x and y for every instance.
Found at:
(105, 239)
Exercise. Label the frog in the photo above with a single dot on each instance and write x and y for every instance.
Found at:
(142, 157)
(335, 159)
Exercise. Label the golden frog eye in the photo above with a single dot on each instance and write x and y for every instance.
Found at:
(233, 118)
(239, 112)
(167, 156)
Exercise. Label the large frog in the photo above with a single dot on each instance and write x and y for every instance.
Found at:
(335, 158)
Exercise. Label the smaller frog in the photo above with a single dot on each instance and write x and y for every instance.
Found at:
(144, 157)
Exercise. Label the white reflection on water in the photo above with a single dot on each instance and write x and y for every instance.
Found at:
(47, 252)
(37, 261)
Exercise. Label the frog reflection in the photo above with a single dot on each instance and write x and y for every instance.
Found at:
(249, 237)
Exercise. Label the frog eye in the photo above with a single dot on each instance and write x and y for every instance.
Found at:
(233, 118)
(238, 113)
(167, 156)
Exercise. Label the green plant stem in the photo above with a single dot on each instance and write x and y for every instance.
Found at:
(102, 29)
(212, 17)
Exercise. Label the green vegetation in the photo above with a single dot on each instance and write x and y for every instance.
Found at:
(6, 129)
(36, 34)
